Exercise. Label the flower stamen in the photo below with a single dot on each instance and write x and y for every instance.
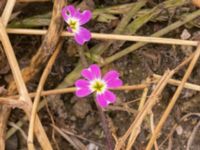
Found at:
(73, 24)
(95, 83)
(98, 86)
(75, 19)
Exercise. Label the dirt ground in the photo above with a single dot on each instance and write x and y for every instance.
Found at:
(79, 117)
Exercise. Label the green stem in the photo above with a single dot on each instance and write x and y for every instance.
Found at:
(100, 48)
(82, 56)
(109, 139)
(157, 34)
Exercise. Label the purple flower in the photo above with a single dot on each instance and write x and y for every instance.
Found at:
(74, 18)
(95, 83)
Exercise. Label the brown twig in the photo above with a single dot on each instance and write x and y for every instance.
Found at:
(152, 129)
(39, 90)
(73, 89)
(80, 137)
(47, 47)
(12, 103)
(28, 1)
(187, 85)
(109, 139)
(151, 101)
(103, 36)
(21, 121)
(174, 99)
(147, 107)
(134, 135)
(120, 108)
(67, 90)
(73, 141)
(191, 138)
(4, 117)
(144, 96)
(7, 11)
(12, 124)
(176, 125)
(70, 90)
(142, 113)
(125, 87)
(42, 138)
(52, 121)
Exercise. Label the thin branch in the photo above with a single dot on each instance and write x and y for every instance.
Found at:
(161, 32)
(81, 137)
(73, 89)
(5, 15)
(191, 138)
(13, 62)
(73, 141)
(12, 124)
(173, 129)
(120, 108)
(174, 82)
(144, 110)
(174, 99)
(144, 96)
(41, 135)
(135, 126)
(152, 129)
(21, 121)
(107, 132)
(39, 90)
(23, 92)
(48, 45)
(82, 56)
(7, 11)
(12, 103)
(133, 134)
(28, 1)
(103, 36)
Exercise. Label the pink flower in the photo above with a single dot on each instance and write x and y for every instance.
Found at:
(74, 18)
(95, 83)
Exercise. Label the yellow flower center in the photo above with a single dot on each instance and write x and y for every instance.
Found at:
(73, 24)
(98, 86)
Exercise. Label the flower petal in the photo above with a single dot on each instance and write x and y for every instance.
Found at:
(83, 92)
(106, 98)
(95, 69)
(92, 72)
(112, 79)
(101, 101)
(81, 83)
(69, 29)
(84, 17)
(68, 12)
(82, 36)
(82, 88)
(86, 73)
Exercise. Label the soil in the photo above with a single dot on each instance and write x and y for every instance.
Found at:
(80, 116)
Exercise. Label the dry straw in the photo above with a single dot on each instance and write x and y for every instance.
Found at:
(161, 83)
(103, 36)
